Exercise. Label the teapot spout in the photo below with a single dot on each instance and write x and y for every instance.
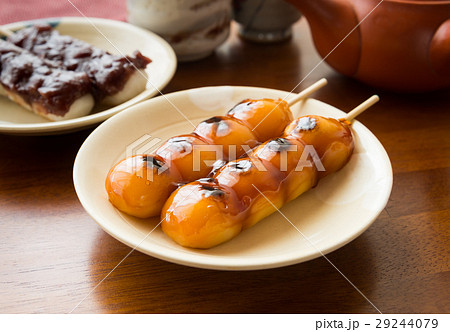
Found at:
(332, 24)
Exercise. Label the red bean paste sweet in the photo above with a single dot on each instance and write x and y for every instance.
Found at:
(107, 72)
(37, 81)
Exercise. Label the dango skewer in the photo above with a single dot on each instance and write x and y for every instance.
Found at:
(243, 192)
(361, 108)
(131, 184)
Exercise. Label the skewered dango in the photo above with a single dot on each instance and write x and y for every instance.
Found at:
(265, 116)
(186, 152)
(229, 134)
(192, 156)
(289, 157)
(273, 174)
(128, 182)
(214, 211)
(332, 139)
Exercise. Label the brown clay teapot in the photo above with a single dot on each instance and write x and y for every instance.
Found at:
(403, 45)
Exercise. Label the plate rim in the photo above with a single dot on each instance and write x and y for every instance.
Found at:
(56, 127)
(230, 265)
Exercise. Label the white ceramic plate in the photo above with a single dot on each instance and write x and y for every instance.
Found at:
(122, 37)
(339, 209)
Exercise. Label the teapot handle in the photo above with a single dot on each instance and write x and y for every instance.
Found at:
(439, 52)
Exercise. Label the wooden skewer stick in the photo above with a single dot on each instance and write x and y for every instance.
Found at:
(5, 32)
(361, 108)
(308, 91)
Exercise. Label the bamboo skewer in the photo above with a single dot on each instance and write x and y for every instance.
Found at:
(361, 108)
(307, 92)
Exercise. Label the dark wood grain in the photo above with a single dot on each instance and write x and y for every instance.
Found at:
(53, 254)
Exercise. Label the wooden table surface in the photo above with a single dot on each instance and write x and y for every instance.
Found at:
(53, 255)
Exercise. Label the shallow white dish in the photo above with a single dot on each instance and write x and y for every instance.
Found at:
(339, 209)
(116, 37)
